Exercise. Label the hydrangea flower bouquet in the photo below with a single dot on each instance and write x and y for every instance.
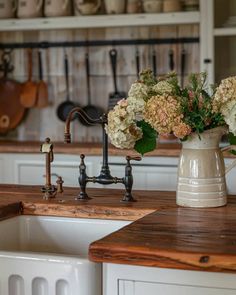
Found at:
(160, 106)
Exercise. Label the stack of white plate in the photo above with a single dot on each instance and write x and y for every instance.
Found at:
(231, 21)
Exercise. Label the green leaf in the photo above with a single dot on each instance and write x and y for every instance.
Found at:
(232, 141)
(148, 142)
(233, 152)
(232, 138)
(147, 77)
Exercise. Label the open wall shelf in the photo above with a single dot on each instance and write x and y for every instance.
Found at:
(100, 21)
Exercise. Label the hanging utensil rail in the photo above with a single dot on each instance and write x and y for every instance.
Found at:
(46, 44)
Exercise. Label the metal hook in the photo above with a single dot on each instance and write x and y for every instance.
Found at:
(6, 66)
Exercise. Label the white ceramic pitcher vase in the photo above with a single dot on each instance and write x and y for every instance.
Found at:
(201, 171)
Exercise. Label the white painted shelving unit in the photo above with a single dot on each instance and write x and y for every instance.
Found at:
(100, 21)
(219, 36)
(229, 31)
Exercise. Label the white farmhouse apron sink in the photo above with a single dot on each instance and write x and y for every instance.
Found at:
(48, 255)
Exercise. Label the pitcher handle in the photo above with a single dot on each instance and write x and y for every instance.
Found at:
(233, 164)
(39, 5)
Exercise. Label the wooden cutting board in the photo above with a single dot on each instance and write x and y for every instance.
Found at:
(11, 110)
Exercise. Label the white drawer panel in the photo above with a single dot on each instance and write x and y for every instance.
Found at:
(33, 172)
(149, 177)
(162, 178)
(169, 289)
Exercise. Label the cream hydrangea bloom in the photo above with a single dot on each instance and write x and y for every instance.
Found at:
(121, 127)
(125, 139)
(225, 93)
(228, 110)
(120, 117)
(139, 90)
(163, 112)
(136, 104)
(137, 96)
(163, 87)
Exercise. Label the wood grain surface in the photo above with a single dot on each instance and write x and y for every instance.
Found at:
(92, 149)
(162, 234)
(105, 203)
(181, 238)
(164, 149)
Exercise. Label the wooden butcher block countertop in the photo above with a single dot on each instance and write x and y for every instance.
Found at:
(181, 238)
(105, 203)
(162, 234)
(167, 149)
(94, 149)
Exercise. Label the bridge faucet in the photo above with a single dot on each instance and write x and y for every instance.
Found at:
(105, 176)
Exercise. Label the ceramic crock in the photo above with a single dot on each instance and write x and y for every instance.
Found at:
(53, 8)
(7, 8)
(115, 6)
(152, 6)
(201, 171)
(29, 8)
(171, 5)
(133, 6)
(86, 8)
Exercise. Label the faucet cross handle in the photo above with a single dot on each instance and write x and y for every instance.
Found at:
(136, 158)
(83, 178)
(128, 179)
(128, 168)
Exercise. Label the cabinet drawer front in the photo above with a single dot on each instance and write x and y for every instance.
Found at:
(155, 288)
(33, 172)
(149, 177)
(127, 287)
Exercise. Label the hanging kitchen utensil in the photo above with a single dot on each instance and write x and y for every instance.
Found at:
(137, 58)
(182, 65)
(65, 107)
(115, 96)
(42, 91)
(11, 110)
(28, 94)
(154, 62)
(171, 60)
(91, 110)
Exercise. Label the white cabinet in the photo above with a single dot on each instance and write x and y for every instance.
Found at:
(30, 168)
(140, 288)
(230, 177)
(139, 280)
(151, 173)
